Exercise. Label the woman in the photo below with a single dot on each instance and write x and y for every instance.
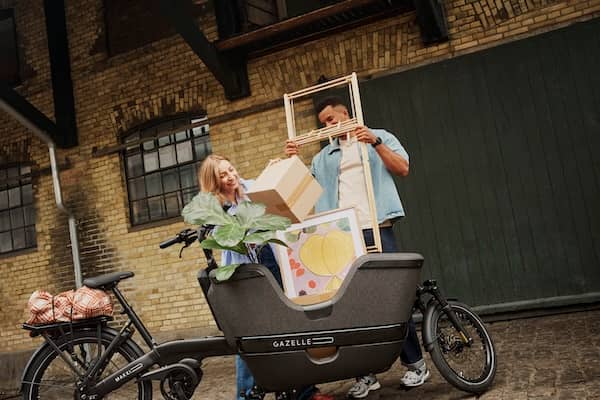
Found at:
(219, 177)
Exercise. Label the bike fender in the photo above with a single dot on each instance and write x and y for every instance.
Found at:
(43, 346)
(33, 357)
(428, 338)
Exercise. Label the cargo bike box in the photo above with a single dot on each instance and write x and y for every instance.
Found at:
(321, 342)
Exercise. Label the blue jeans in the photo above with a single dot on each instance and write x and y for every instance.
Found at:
(411, 354)
(267, 258)
(244, 379)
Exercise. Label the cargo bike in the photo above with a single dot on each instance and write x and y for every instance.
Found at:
(358, 331)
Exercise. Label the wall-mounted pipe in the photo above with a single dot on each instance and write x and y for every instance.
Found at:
(43, 136)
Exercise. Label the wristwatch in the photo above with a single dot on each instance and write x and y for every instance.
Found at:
(377, 142)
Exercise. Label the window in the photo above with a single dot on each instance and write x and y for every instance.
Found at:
(9, 67)
(17, 215)
(161, 167)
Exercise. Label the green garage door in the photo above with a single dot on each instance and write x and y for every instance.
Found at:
(503, 198)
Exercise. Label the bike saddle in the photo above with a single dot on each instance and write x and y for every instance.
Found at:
(107, 280)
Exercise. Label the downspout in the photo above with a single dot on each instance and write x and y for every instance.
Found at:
(43, 136)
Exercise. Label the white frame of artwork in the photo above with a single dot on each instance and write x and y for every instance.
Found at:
(287, 275)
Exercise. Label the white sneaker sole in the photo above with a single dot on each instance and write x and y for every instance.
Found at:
(371, 388)
(422, 381)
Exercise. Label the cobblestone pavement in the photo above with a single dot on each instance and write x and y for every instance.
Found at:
(552, 357)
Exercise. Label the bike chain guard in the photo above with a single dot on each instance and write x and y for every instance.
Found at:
(177, 381)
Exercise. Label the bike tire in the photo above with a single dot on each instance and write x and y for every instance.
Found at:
(49, 377)
(468, 368)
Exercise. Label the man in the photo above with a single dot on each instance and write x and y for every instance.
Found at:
(338, 168)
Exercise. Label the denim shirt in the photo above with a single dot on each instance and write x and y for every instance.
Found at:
(268, 259)
(325, 168)
(231, 257)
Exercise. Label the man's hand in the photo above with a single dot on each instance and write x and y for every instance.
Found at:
(363, 134)
(394, 162)
(291, 148)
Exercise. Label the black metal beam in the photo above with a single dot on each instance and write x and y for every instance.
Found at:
(28, 111)
(228, 68)
(60, 70)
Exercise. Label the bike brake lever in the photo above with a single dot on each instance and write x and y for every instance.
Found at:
(182, 248)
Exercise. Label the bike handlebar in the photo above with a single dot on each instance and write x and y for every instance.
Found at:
(189, 236)
(170, 242)
(186, 236)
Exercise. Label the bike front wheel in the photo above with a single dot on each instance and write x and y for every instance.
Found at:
(470, 367)
(50, 377)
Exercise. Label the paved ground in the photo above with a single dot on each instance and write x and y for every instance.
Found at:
(553, 357)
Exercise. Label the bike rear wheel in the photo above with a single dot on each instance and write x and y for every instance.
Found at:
(469, 367)
(49, 377)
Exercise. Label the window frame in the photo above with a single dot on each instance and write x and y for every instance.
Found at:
(154, 154)
(26, 223)
(9, 14)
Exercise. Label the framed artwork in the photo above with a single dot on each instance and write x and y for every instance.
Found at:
(320, 253)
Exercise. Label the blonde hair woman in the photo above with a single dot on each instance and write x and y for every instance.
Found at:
(219, 177)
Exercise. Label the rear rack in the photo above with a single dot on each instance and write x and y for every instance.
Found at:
(36, 330)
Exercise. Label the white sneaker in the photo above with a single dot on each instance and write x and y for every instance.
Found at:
(416, 377)
(363, 386)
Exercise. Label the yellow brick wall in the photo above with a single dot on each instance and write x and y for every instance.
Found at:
(113, 94)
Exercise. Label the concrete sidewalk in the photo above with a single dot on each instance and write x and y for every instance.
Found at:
(552, 357)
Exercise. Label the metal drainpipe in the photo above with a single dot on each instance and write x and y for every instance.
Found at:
(56, 184)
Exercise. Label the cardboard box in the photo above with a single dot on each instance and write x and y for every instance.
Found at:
(287, 188)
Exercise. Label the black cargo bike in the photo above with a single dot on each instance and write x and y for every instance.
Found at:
(88, 360)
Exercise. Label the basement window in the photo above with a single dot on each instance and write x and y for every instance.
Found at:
(17, 214)
(161, 167)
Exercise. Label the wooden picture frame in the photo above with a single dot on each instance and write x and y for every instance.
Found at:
(331, 132)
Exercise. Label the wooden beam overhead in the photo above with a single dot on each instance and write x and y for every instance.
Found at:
(229, 69)
(290, 24)
(27, 111)
(63, 132)
(60, 71)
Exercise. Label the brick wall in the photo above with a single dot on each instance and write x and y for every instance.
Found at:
(113, 94)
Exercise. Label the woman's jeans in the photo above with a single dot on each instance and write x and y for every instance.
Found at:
(411, 355)
(244, 379)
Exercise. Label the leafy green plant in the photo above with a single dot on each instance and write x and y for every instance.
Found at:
(245, 232)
